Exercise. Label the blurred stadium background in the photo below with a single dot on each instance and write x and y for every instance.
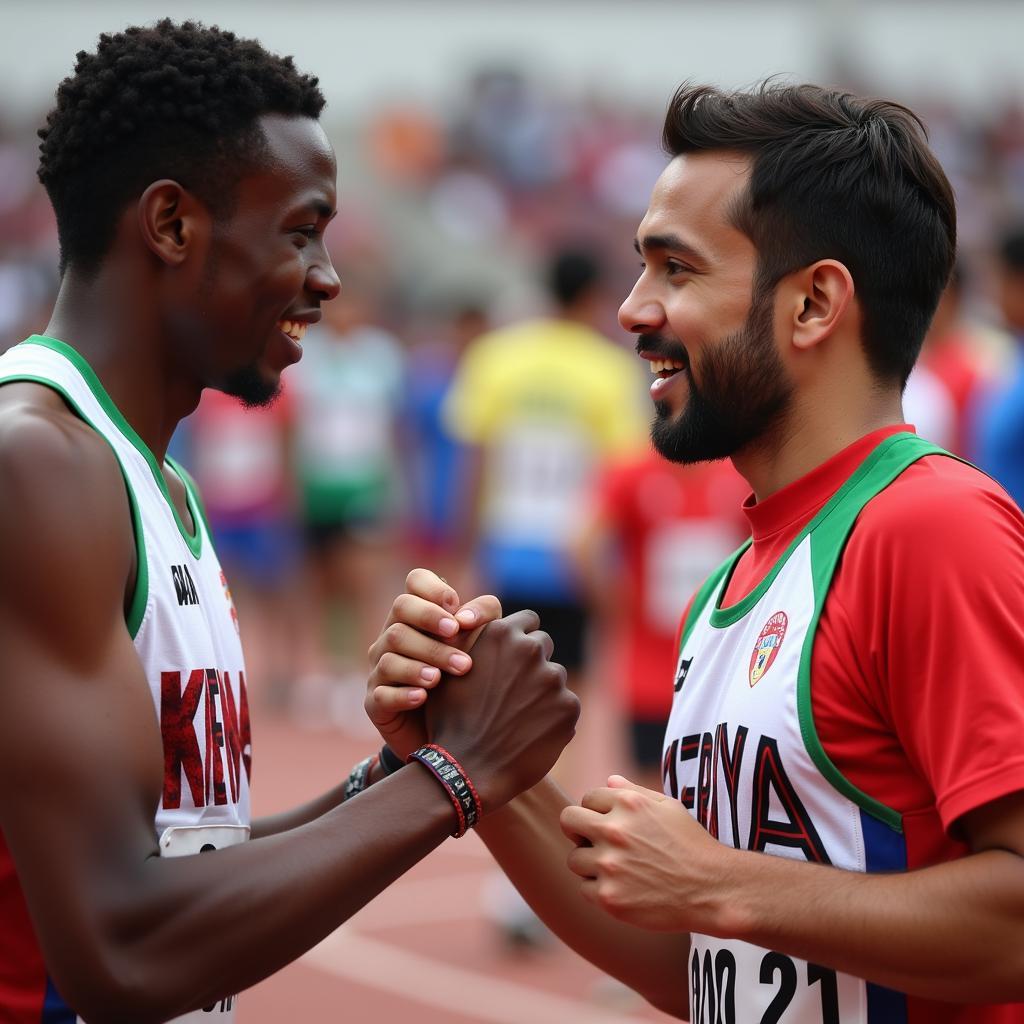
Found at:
(475, 140)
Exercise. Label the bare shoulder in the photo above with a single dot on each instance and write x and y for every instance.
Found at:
(36, 424)
(45, 447)
(65, 513)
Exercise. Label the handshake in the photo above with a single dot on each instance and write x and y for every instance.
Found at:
(504, 712)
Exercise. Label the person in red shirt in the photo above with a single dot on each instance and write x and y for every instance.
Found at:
(962, 359)
(793, 253)
(656, 529)
(241, 460)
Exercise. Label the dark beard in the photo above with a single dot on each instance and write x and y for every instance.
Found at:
(252, 389)
(744, 393)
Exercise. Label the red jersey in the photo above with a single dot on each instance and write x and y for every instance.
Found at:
(916, 673)
(673, 524)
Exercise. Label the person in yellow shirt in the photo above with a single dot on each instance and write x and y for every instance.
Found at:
(544, 404)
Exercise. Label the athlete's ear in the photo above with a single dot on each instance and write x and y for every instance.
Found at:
(819, 296)
(172, 221)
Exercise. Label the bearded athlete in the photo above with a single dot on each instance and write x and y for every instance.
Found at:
(841, 832)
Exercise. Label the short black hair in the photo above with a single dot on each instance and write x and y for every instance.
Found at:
(179, 101)
(572, 272)
(836, 176)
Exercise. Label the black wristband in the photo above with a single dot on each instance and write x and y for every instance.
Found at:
(359, 777)
(443, 766)
(390, 762)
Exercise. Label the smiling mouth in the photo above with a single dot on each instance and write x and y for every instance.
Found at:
(295, 329)
(665, 368)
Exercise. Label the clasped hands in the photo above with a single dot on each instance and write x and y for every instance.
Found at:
(641, 857)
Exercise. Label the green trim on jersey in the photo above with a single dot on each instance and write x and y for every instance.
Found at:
(140, 595)
(195, 540)
(707, 591)
(721, 617)
(192, 496)
(832, 531)
(829, 532)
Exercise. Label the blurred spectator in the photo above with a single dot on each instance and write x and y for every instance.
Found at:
(999, 427)
(515, 128)
(928, 406)
(437, 463)
(475, 188)
(405, 143)
(959, 355)
(347, 391)
(241, 461)
(544, 404)
(656, 530)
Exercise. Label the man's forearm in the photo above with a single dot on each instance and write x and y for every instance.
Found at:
(953, 932)
(279, 896)
(526, 840)
(295, 817)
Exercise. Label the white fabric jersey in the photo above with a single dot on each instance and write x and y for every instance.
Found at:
(184, 626)
(742, 754)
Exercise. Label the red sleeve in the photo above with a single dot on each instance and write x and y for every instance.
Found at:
(926, 633)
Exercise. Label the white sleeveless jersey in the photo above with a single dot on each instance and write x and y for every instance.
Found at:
(184, 626)
(742, 754)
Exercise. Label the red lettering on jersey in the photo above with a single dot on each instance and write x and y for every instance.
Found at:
(232, 733)
(713, 814)
(688, 750)
(798, 831)
(214, 740)
(669, 776)
(245, 732)
(704, 779)
(232, 748)
(181, 748)
(732, 760)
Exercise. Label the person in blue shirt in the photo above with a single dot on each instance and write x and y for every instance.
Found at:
(999, 422)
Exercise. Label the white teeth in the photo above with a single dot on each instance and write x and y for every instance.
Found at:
(660, 365)
(295, 329)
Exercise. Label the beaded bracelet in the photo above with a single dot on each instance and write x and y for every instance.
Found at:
(443, 766)
(359, 777)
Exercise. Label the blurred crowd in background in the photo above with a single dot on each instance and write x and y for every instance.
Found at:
(470, 403)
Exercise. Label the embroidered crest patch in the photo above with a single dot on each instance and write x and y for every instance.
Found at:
(767, 646)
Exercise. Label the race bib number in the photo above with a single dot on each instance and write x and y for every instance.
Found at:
(184, 841)
(537, 485)
(736, 983)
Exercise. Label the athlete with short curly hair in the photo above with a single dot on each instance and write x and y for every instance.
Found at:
(192, 184)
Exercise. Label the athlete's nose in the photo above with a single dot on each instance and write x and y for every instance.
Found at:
(639, 313)
(323, 281)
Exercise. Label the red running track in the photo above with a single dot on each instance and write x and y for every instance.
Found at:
(383, 966)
